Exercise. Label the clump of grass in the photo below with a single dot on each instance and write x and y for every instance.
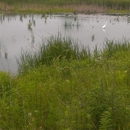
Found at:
(111, 47)
(54, 47)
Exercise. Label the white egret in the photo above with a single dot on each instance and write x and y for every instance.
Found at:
(104, 26)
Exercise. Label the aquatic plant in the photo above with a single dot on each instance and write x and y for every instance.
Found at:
(93, 37)
(29, 24)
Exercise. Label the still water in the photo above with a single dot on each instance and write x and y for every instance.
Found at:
(17, 35)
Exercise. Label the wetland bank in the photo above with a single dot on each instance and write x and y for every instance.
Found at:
(61, 84)
(21, 33)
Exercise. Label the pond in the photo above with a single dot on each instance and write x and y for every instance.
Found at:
(26, 32)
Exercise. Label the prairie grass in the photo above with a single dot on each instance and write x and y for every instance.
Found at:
(71, 92)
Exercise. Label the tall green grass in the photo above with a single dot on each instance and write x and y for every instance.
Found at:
(90, 93)
(53, 48)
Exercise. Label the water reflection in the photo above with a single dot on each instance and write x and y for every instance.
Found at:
(30, 25)
(103, 29)
(4, 60)
(128, 19)
(21, 18)
(32, 36)
(25, 31)
(93, 38)
(1, 18)
(69, 25)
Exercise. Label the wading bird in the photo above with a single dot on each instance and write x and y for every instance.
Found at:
(103, 27)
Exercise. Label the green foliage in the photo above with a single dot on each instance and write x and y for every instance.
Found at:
(54, 48)
(71, 93)
(5, 82)
(4, 79)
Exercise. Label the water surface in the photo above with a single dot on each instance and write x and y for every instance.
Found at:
(16, 35)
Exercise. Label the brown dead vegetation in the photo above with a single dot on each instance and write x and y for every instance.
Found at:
(88, 8)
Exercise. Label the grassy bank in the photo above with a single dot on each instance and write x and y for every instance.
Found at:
(75, 90)
(58, 6)
(50, 9)
(109, 3)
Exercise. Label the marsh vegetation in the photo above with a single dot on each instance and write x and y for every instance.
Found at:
(56, 6)
(30, 31)
(62, 84)
(68, 88)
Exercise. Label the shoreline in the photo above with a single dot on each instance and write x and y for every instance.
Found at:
(44, 9)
